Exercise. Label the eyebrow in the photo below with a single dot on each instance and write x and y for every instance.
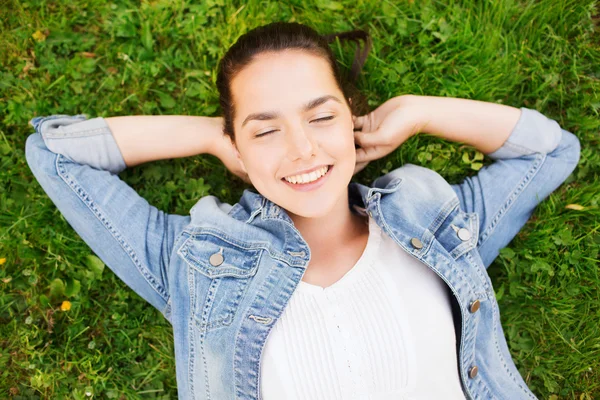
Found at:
(268, 115)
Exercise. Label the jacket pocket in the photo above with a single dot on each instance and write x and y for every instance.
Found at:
(219, 275)
(458, 232)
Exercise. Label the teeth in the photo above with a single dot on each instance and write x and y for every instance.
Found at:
(306, 178)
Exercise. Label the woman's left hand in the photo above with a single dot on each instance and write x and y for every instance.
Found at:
(381, 131)
(359, 167)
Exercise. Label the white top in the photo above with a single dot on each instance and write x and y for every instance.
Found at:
(383, 331)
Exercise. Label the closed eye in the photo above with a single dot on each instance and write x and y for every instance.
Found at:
(314, 120)
(323, 119)
(264, 133)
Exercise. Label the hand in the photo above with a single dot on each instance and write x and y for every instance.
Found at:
(225, 151)
(381, 131)
(359, 167)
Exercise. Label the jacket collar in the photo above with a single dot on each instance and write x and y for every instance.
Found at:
(360, 198)
(409, 203)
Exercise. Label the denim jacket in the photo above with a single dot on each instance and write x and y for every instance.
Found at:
(223, 275)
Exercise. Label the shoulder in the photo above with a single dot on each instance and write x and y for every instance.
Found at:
(413, 194)
(421, 181)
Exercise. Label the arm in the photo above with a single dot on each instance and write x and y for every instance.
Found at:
(535, 160)
(75, 161)
(533, 154)
(116, 143)
(483, 125)
(148, 137)
(134, 140)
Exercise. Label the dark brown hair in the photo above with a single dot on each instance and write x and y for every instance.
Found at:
(280, 36)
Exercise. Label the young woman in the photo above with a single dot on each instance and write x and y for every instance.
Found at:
(312, 286)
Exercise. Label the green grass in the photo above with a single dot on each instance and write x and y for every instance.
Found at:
(160, 57)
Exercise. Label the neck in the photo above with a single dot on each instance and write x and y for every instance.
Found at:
(332, 231)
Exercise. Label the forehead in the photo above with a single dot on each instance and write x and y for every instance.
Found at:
(281, 80)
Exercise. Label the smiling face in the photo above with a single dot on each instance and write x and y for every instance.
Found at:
(290, 118)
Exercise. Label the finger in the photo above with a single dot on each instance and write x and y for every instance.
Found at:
(366, 139)
(359, 167)
(371, 153)
(362, 165)
(358, 122)
(366, 155)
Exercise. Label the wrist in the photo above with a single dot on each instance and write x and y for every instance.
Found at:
(416, 110)
(212, 129)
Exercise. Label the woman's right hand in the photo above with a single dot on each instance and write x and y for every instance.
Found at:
(225, 151)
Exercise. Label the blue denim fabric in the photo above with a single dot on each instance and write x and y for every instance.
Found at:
(221, 314)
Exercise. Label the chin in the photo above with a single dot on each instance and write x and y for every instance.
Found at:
(307, 212)
(312, 206)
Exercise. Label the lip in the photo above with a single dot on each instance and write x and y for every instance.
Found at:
(305, 187)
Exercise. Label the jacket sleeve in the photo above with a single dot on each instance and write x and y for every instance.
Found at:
(535, 160)
(76, 162)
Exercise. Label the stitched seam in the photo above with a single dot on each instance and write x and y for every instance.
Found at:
(179, 238)
(463, 278)
(202, 349)
(276, 256)
(86, 199)
(207, 306)
(496, 319)
(478, 381)
(67, 135)
(255, 246)
(512, 197)
(444, 213)
(191, 301)
(471, 243)
(474, 264)
(224, 269)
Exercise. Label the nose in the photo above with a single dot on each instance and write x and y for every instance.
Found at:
(300, 145)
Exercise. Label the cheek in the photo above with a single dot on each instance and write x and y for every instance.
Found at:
(261, 166)
(341, 141)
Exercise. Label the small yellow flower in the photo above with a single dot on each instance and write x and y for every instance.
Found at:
(2, 261)
(65, 306)
(39, 36)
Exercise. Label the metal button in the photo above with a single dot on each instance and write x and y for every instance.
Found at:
(473, 372)
(475, 306)
(416, 243)
(464, 234)
(216, 259)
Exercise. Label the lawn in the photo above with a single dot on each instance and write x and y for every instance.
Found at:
(70, 329)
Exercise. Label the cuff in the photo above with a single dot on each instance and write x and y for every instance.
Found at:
(533, 133)
(83, 141)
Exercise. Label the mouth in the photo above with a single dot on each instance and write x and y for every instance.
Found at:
(306, 182)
